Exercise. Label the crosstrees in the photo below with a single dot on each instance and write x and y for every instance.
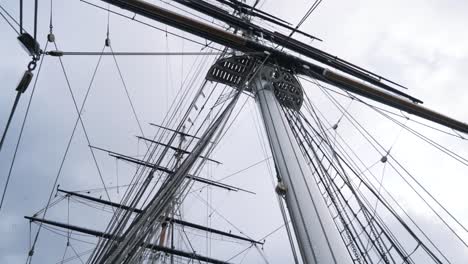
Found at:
(148, 246)
(169, 171)
(168, 219)
(176, 149)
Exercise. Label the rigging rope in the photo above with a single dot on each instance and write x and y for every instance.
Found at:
(308, 102)
(164, 195)
(77, 255)
(364, 132)
(349, 95)
(34, 51)
(78, 120)
(9, 15)
(21, 132)
(379, 247)
(170, 117)
(425, 248)
(191, 107)
(152, 26)
(133, 53)
(36, 7)
(127, 93)
(6, 20)
(311, 9)
(421, 186)
(21, 16)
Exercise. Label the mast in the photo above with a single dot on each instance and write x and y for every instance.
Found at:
(316, 234)
(178, 158)
(275, 88)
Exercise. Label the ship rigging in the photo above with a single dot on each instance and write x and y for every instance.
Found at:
(332, 203)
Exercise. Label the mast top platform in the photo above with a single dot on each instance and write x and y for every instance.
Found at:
(236, 71)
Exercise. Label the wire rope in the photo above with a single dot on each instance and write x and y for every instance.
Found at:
(20, 136)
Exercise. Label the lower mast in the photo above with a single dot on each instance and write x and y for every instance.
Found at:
(317, 237)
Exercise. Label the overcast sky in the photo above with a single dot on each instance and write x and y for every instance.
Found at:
(421, 44)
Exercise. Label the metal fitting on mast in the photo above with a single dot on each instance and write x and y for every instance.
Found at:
(236, 70)
(281, 189)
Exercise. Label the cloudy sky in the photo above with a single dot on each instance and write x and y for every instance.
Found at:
(418, 43)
